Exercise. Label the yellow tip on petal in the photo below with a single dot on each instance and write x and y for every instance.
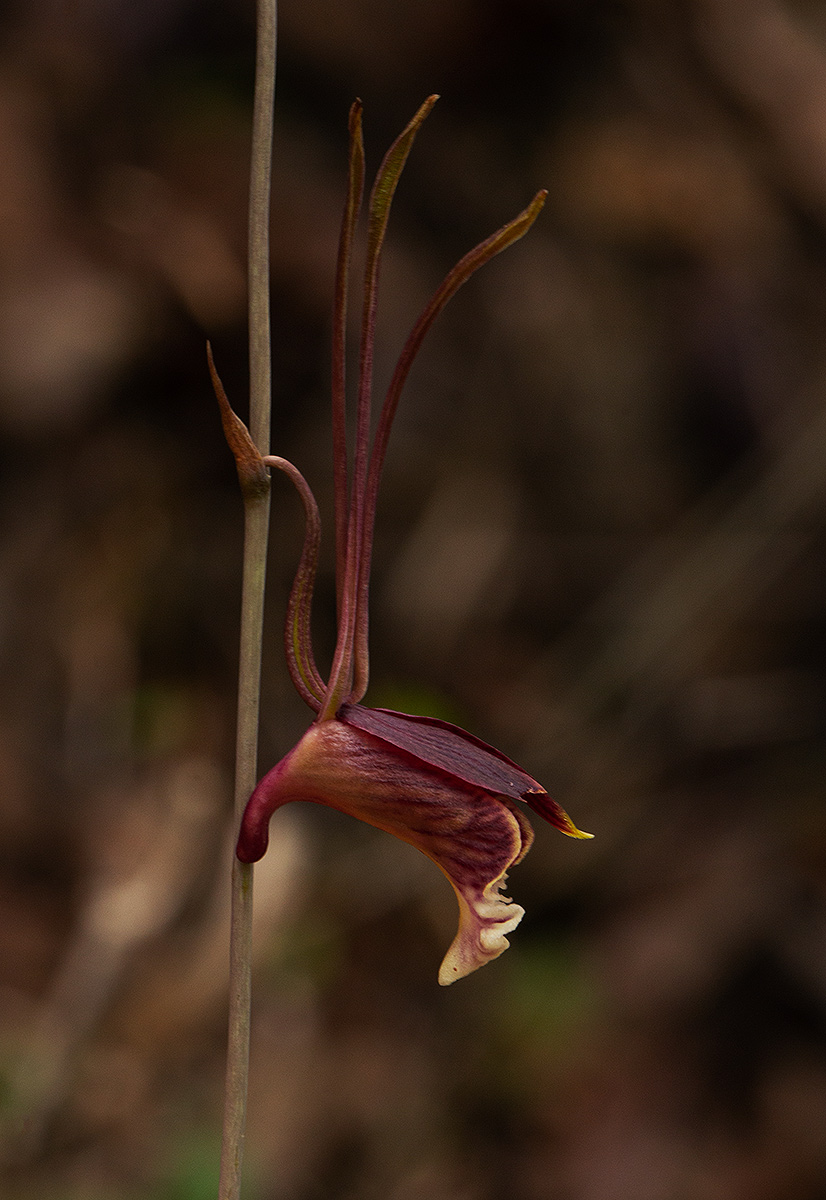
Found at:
(550, 811)
(572, 831)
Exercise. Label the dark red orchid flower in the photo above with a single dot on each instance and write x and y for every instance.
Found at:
(427, 782)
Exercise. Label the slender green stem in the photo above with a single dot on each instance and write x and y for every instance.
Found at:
(258, 269)
(256, 526)
(235, 1096)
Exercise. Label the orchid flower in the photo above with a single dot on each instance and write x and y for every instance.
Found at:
(427, 782)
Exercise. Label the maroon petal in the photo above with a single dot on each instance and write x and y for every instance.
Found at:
(472, 836)
(449, 748)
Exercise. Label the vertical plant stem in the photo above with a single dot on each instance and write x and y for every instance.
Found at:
(256, 526)
(259, 225)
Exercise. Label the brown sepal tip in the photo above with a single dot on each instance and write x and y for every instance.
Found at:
(253, 475)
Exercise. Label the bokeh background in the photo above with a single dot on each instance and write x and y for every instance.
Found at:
(600, 547)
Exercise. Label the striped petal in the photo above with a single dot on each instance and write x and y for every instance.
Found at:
(473, 835)
(465, 757)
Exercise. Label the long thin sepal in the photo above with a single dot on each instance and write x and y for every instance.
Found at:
(297, 636)
(463, 270)
(352, 207)
(381, 198)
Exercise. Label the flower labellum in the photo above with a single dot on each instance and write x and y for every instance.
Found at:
(429, 783)
(432, 785)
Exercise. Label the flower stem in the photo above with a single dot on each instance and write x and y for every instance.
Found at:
(256, 526)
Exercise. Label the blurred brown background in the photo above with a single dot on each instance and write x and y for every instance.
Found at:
(600, 547)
